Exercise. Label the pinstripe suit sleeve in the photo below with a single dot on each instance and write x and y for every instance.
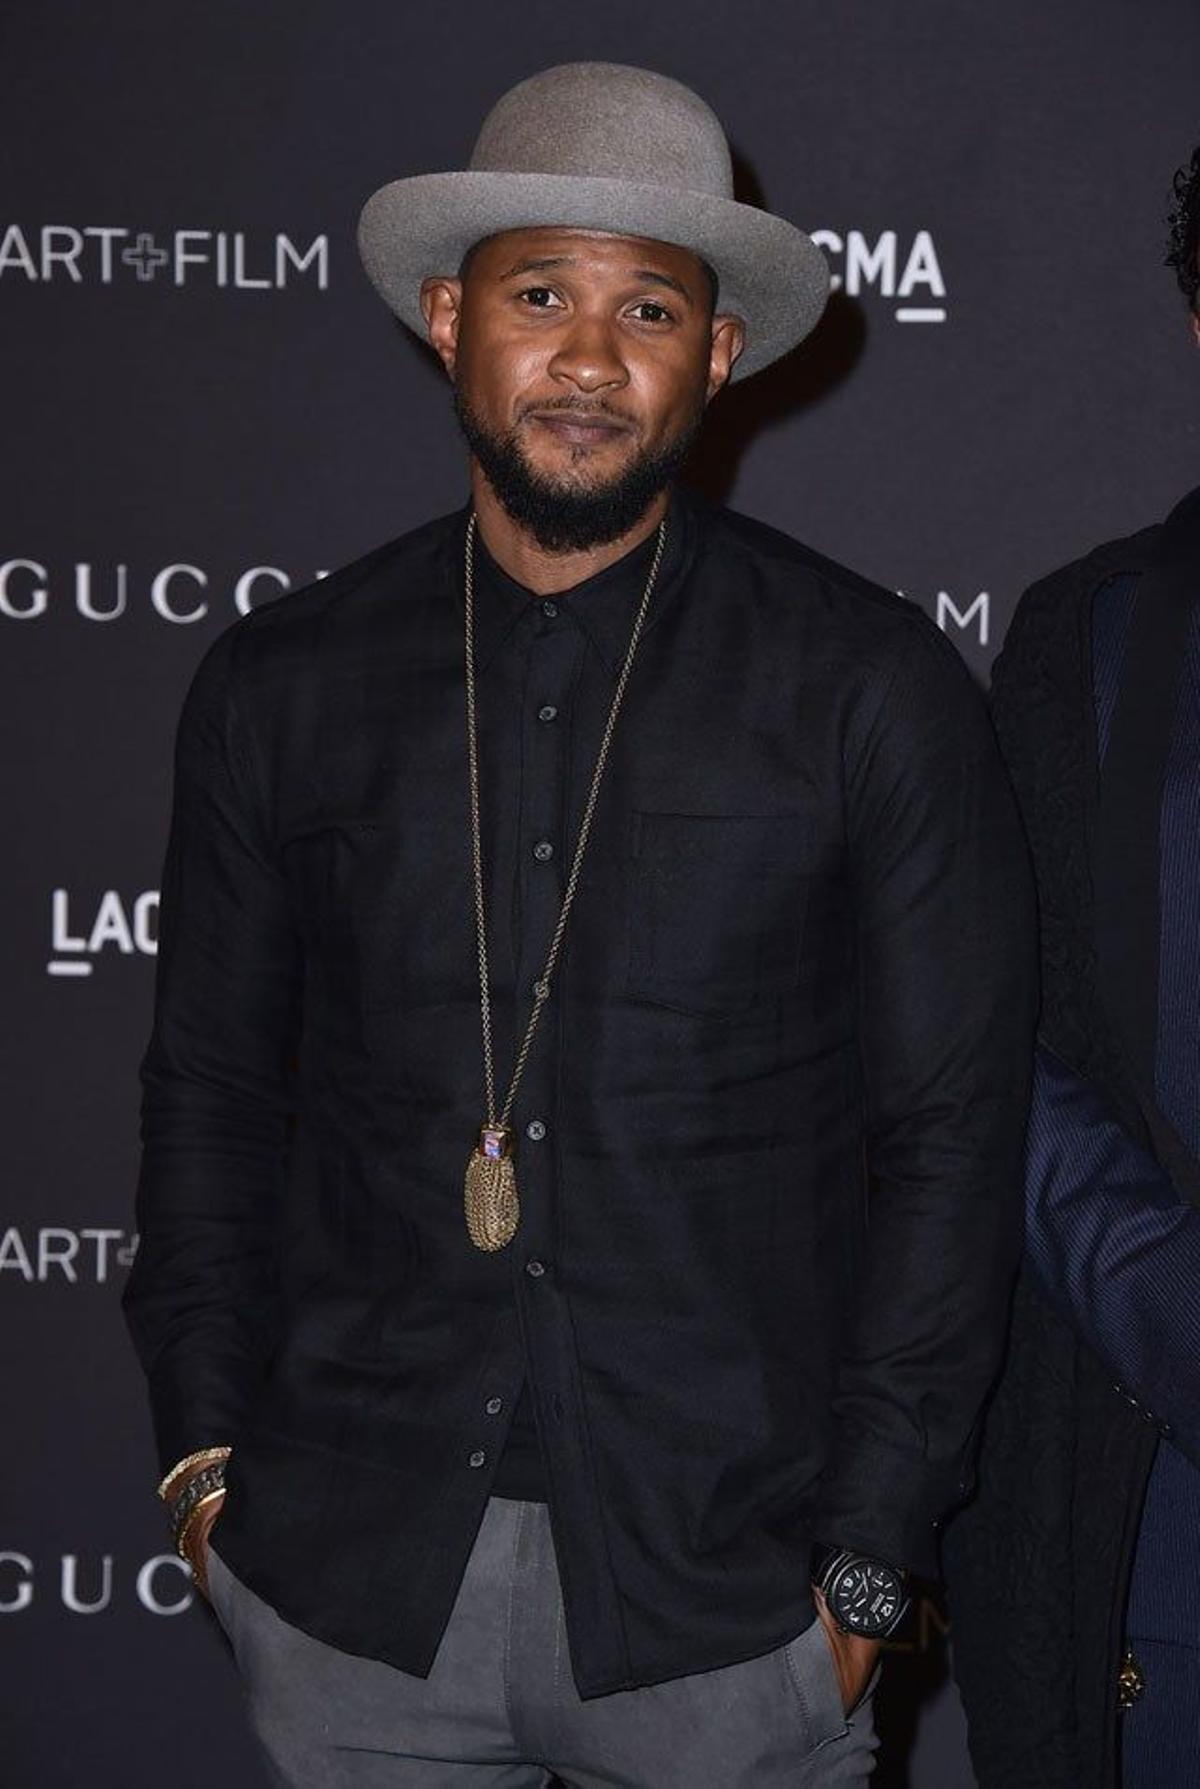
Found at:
(1116, 1248)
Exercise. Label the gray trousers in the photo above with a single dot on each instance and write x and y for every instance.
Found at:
(500, 1707)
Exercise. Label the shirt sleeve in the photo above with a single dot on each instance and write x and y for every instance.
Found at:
(201, 1298)
(946, 972)
(1115, 1247)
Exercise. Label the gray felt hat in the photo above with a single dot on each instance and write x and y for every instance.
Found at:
(599, 146)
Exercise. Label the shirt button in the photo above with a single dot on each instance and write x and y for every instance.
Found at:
(549, 609)
(477, 1458)
(543, 850)
(494, 1406)
(535, 1268)
(535, 1129)
(547, 711)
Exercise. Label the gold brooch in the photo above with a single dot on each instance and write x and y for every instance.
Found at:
(1131, 1681)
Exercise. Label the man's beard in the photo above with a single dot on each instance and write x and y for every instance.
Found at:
(565, 515)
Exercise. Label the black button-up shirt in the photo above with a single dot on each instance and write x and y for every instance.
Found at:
(553, 660)
(768, 1137)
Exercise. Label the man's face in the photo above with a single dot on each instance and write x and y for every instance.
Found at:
(582, 363)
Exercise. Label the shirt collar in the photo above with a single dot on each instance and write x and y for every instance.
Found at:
(603, 606)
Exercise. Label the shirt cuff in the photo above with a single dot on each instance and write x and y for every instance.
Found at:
(887, 1504)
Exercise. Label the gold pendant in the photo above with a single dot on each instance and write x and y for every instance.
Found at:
(492, 1207)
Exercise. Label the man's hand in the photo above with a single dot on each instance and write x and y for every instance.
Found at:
(197, 1539)
(854, 1658)
(197, 1544)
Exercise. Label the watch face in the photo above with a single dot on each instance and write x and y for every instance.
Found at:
(865, 1596)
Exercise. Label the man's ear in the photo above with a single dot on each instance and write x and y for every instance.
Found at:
(441, 306)
(728, 340)
(1196, 329)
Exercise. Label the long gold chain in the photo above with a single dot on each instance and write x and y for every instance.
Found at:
(542, 985)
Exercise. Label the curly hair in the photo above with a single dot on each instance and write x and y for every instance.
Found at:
(1183, 244)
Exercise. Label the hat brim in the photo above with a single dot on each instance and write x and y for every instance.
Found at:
(770, 273)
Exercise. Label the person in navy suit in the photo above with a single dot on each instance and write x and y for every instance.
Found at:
(1074, 1578)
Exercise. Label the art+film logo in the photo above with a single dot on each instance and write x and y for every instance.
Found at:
(91, 1256)
(904, 269)
(112, 254)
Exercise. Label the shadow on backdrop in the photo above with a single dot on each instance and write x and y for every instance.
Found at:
(810, 372)
(790, 385)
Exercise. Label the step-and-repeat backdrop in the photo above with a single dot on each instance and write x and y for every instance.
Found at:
(206, 407)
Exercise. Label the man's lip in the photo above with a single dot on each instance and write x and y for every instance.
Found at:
(579, 430)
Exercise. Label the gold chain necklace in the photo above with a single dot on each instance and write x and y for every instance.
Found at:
(491, 1202)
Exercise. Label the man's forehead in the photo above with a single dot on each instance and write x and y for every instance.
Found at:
(566, 242)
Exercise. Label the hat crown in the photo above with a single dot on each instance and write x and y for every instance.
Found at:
(603, 120)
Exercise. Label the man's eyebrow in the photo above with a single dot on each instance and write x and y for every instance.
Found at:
(538, 264)
(647, 275)
(653, 276)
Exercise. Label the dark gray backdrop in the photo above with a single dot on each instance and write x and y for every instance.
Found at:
(205, 401)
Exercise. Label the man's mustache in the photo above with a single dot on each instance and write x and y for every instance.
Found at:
(579, 407)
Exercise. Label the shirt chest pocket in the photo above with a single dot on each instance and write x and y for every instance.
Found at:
(717, 909)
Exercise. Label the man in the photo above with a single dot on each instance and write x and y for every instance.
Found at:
(1075, 1577)
(565, 905)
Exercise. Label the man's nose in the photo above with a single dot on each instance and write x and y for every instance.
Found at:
(588, 356)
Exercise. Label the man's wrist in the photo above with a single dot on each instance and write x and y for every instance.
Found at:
(194, 1493)
(192, 1545)
(866, 1597)
(194, 1528)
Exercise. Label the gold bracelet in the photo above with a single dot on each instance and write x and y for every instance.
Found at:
(205, 1457)
(181, 1539)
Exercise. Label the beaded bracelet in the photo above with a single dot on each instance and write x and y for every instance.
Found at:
(205, 1457)
(208, 1480)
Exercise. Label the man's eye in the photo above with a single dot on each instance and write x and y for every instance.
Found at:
(652, 312)
(539, 296)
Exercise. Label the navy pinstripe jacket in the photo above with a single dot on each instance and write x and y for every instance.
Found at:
(1038, 1567)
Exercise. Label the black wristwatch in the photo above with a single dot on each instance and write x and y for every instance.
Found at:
(865, 1596)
